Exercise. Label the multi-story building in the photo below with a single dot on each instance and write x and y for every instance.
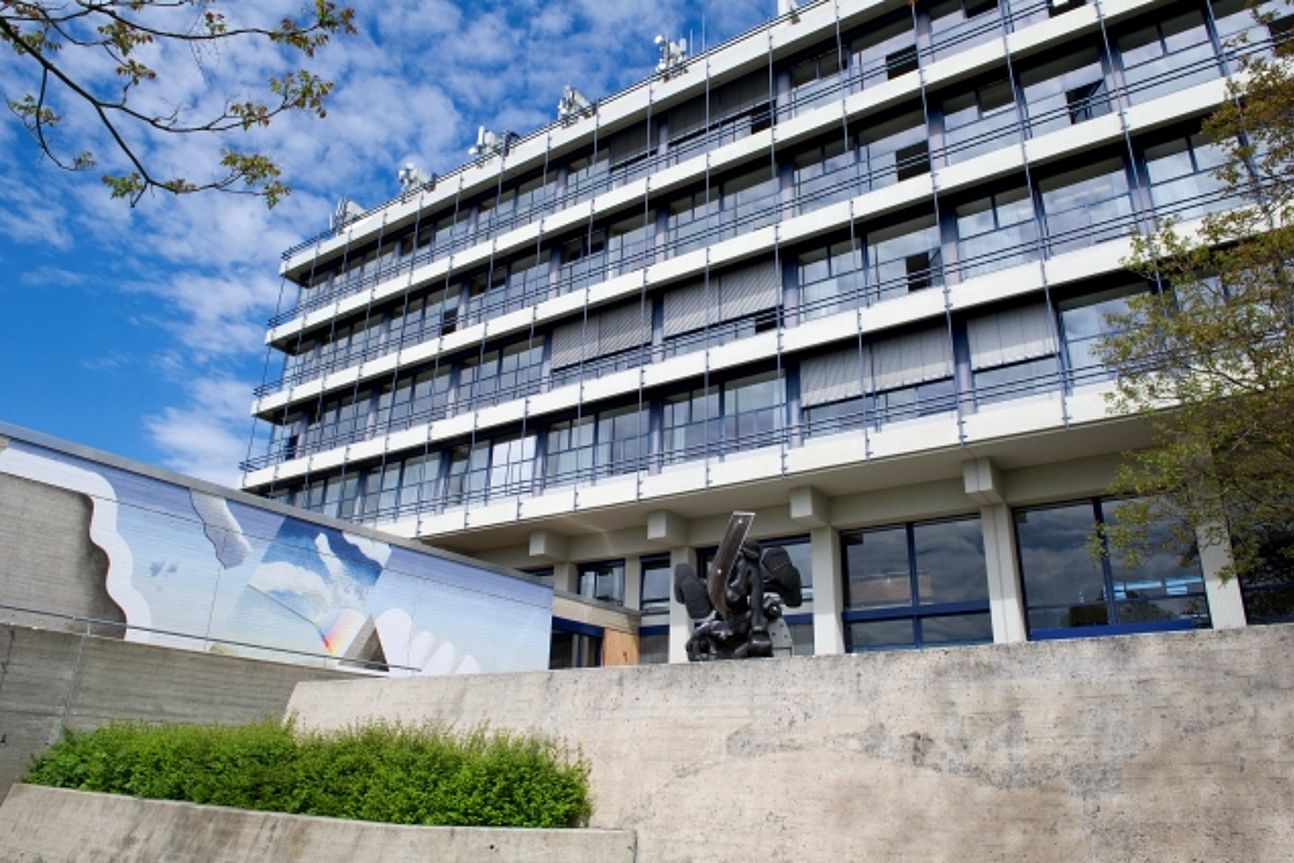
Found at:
(845, 270)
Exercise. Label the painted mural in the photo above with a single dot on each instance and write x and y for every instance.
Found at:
(198, 571)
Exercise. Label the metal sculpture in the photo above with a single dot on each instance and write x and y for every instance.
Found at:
(741, 599)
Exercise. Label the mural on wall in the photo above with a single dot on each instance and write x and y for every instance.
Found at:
(196, 570)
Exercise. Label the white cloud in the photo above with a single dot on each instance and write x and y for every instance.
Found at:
(207, 437)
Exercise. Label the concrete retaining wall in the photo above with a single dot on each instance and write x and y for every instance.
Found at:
(57, 825)
(1145, 748)
(51, 679)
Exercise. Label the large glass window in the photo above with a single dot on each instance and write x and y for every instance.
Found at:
(1268, 589)
(816, 78)
(1086, 205)
(829, 278)
(824, 174)
(603, 581)
(574, 645)
(995, 232)
(978, 119)
(1166, 54)
(656, 580)
(956, 25)
(1182, 184)
(885, 49)
(1067, 588)
(691, 218)
(893, 149)
(1084, 321)
(609, 442)
(1064, 90)
(903, 257)
(916, 585)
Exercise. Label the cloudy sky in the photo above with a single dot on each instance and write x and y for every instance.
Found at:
(140, 331)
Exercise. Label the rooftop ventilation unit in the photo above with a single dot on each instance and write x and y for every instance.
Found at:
(573, 105)
(411, 178)
(489, 144)
(672, 55)
(345, 212)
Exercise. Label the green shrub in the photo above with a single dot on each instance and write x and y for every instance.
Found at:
(391, 773)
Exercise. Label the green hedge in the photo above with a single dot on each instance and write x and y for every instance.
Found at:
(388, 773)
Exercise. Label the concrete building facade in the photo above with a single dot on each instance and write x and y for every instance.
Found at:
(845, 270)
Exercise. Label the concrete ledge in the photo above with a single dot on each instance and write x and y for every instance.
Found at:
(55, 825)
(1152, 748)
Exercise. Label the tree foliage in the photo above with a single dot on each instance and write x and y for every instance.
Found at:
(95, 54)
(1208, 357)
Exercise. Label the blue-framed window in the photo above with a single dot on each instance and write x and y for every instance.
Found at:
(1069, 592)
(653, 645)
(656, 581)
(575, 645)
(915, 585)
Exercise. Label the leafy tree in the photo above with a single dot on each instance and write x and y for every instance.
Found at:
(94, 52)
(1208, 359)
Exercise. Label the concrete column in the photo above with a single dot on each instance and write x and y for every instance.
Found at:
(828, 591)
(1005, 601)
(1226, 604)
(565, 577)
(633, 582)
(680, 625)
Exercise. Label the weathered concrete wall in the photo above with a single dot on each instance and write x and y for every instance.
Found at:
(54, 824)
(1146, 748)
(51, 679)
(47, 561)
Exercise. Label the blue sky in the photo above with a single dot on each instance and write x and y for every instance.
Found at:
(140, 331)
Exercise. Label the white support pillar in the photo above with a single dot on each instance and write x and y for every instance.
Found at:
(828, 591)
(680, 625)
(1005, 600)
(633, 582)
(1226, 603)
(983, 483)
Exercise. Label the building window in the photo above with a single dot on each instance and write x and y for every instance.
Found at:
(656, 581)
(1086, 205)
(1084, 321)
(892, 149)
(1064, 91)
(1013, 353)
(824, 174)
(575, 645)
(829, 279)
(653, 645)
(903, 257)
(995, 232)
(916, 585)
(738, 415)
(976, 119)
(1268, 589)
(1070, 592)
(603, 581)
(1167, 54)
(1182, 181)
